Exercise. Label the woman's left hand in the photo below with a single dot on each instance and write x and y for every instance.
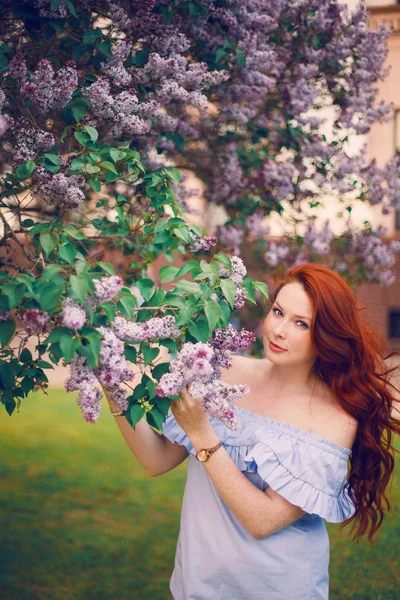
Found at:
(190, 416)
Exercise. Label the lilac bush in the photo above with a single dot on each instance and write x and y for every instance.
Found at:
(105, 109)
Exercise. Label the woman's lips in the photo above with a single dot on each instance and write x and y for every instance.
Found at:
(276, 348)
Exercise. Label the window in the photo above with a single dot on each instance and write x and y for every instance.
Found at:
(394, 323)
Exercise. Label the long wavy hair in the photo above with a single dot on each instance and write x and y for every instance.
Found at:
(350, 360)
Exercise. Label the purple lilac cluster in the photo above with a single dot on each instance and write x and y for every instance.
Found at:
(154, 328)
(35, 321)
(113, 368)
(202, 242)
(48, 90)
(59, 190)
(5, 120)
(5, 315)
(237, 275)
(83, 380)
(107, 287)
(73, 315)
(198, 366)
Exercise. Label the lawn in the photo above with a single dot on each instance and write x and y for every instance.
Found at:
(81, 520)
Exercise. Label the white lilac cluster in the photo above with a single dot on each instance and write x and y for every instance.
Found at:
(5, 315)
(83, 380)
(198, 366)
(237, 275)
(73, 315)
(202, 242)
(107, 287)
(35, 321)
(155, 328)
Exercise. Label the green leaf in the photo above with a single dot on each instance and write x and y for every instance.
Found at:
(55, 4)
(229, 290)
(160, 370)
(82, 137)
(7, 329)
(48, 240)
(53, 158)
(27, 385)
(69, 345)
(186, 314)
(199, 330)
(136, 413)
(188, 287)
(93, 133)
(49, 296)
(25, 170)
(107, 267)
(168, 273)
(92, 35)
(71, 7)
(94, 183)
(155, 419)
(67, 252)
(261, 287)
(79, 110)
(116, 154)
(213, 313)
(241, 58)
(49, 272)
(28, 223)
(79, 286)
(26, 355)
(149, 354)
(224, 259)
(14, 293)
(126, 305)
(74, 233)
(174, 174)
(105, 48)
(56, 334)
(188, 267)
(108, 166)
(225, 314)
(87, 352)
(130, 354)
(248, 284)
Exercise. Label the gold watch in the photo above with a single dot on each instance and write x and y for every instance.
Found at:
(205, 453)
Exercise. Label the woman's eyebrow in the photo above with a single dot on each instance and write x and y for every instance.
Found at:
(298, 316)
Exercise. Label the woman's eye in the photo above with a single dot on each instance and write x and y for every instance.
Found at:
(276, 311)
(303, 325)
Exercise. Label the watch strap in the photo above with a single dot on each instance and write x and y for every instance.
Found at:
(205, 453)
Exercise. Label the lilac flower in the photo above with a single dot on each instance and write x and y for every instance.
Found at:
(113, 368)
(107, 287)
(49, 91)
(59, 189)
(196, 366)
(154, 328)
(83, 380)
(73, 315)
(5, 315)
(202, 242)
(17, 68)
(35, 321)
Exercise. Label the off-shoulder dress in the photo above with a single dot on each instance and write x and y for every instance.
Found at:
(217, 558)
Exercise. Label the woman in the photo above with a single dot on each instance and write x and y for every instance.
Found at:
(252, 516)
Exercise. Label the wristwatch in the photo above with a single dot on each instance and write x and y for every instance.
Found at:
(205, 453)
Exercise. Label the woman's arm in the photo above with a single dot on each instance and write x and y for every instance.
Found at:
(155, 452)
(261, 513)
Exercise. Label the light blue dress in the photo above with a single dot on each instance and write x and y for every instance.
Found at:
(216, 557)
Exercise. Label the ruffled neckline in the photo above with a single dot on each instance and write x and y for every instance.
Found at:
(293, 430)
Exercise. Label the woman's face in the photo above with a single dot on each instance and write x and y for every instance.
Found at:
(287, 328)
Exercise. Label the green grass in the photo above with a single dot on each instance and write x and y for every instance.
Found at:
(81, 520)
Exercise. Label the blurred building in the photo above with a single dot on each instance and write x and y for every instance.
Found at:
(383, 142)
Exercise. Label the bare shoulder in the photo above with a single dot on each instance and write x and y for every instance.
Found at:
(242, 371)
(335, 423)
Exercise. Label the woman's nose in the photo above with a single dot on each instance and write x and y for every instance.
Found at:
(280, 330)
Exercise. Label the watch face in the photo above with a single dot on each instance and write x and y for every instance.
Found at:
(202, 455)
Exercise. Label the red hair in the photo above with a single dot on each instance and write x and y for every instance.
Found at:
(351, 362)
